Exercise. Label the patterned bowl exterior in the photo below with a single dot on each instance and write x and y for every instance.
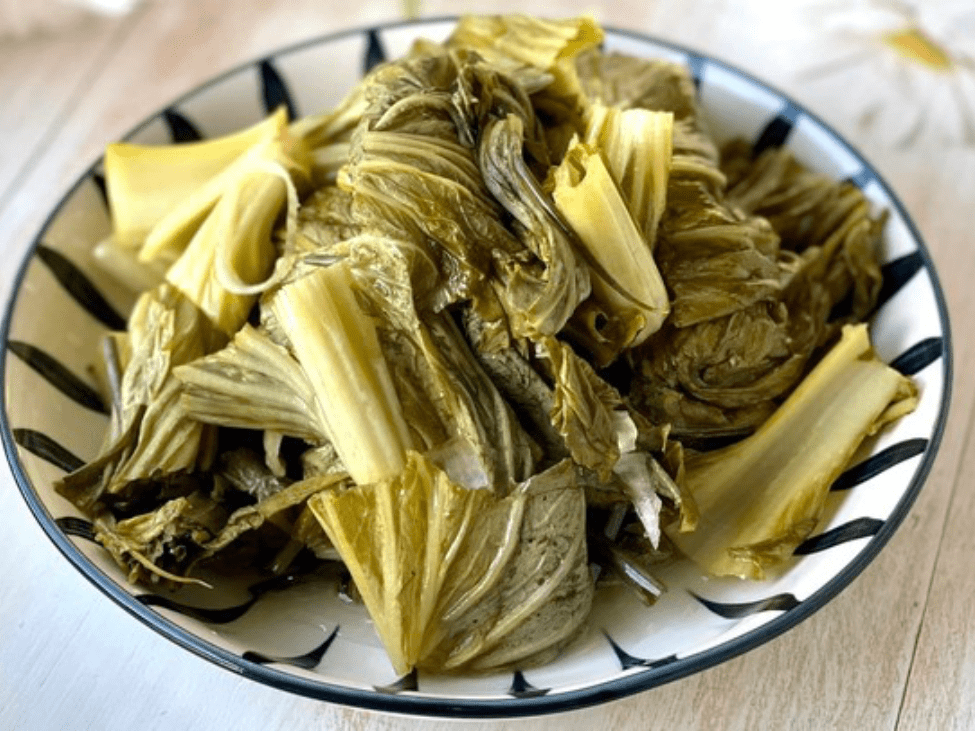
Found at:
(307, 640)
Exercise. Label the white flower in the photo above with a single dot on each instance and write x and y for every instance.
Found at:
(903, 72)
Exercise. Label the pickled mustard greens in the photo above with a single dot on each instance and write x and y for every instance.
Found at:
(473, 335)
(460, 578)
(761, 497)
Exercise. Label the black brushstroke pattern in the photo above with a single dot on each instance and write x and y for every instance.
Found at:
(47, 449)
(628, 661)
(275, 91)
(408, 682)
(181, 129)
(521, 688)
(99, 180)
(711, 443)
(696, 65)
(919, 356)
(880, 462)
(777, 603)
(79, 527)
(862, 178)
(854, 530)
(778, 130)
(51, 370)
(222, 615)
(375, 53)
(80, 288)
(211, 616)
(309, 661)
(898, 273)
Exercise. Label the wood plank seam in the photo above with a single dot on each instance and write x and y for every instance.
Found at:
(99, 64)
(953, 493)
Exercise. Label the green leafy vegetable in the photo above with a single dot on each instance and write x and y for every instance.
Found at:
(253, 383)
(547, 45)
(542, 293)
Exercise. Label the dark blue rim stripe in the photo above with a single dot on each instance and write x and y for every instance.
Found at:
(52, 371)
(375, 53)
(778, 130)
(919, 356)
(41, 445)
(521, 688)
(628, 661)
(852, 531)
(307, 661)
(501, 708)
(274, 90)
(181, 129)
(896, 274)
(880, 462)
(408, 683)
(79, 527)
(778, 603)
(80, 288)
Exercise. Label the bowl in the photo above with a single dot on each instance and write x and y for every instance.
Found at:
(302, 637)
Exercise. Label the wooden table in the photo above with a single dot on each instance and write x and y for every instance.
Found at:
(894, 650)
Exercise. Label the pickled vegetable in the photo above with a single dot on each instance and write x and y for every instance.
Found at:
(475, 333)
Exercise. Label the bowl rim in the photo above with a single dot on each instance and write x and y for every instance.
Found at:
(487, 708)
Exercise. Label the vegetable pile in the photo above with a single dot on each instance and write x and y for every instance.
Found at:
(503, 326)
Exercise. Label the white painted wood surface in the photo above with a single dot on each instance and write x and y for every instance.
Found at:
(896, 650)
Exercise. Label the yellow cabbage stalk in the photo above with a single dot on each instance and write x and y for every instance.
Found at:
(229, 260)
(338, 348)
(763, 496)
(205, 211)
(146, 183)
(548, 45)
(625, 280)
(637, 145)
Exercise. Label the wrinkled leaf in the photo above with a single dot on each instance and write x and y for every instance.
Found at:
(161, 544)
(152, 435)
(448, 574)
(252, 383)
(539, 294)
(268, 509)
(583, 409)
(547, 45)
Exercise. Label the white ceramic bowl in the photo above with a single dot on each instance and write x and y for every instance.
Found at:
(304, 638)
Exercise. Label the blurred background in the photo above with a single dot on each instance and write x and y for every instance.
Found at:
(906, 69)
